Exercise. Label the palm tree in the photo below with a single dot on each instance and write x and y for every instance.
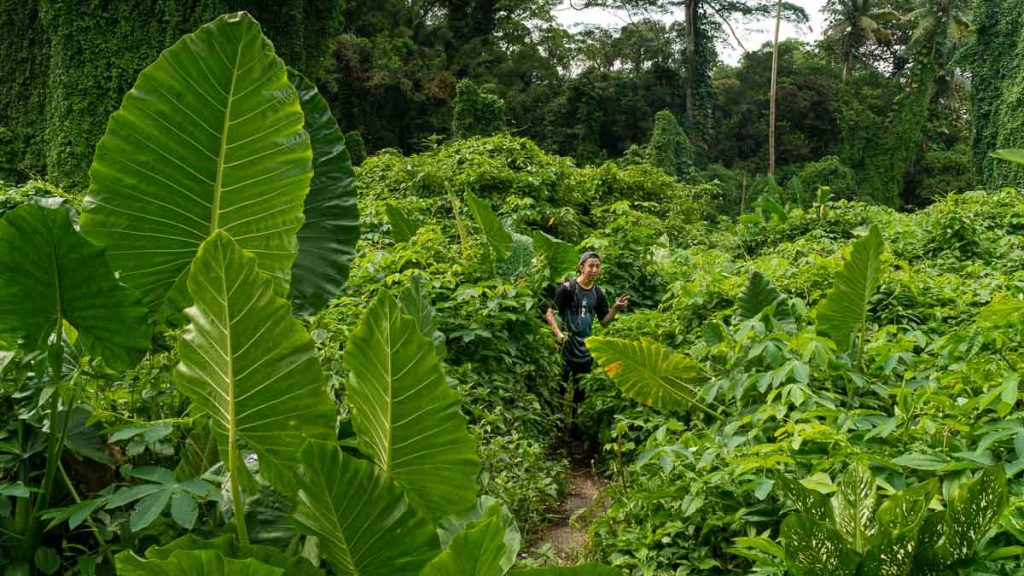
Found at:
(853, 22)
(938, 22)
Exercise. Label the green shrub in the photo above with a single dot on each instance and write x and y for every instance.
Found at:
(830, 171)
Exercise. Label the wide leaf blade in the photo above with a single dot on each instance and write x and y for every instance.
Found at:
(972, 510)
(209, 138)
(228, 548)
(364, 522)
(406, 418)
(205, 562)
(476, 551)
(648, 372)
(561, 256)
(49, 271)
(845, 308)
(1012, 154)
(757, 295)
(403, 228)
(814, 548)
(327, 240)
(248, 364)
(416, 304)
(499, 239)
(581, 570)
(854, 506)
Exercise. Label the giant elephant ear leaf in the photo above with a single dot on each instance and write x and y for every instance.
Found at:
(476, 551)
(845, 309)
(581, 570)
(498, 238)
(49, 274)
(406, 418)
(561, 257)
(364, 522)
(209, 138)
(205, 562)
(757, 295)
(250, 365)
(327, 240)
(649, 373)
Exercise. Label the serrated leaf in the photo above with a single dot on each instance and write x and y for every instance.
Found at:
(248, 364)
(327, 239)
(649, 373)
(363, 522)
(845, 309)
(757, 295)
(406, 417)
(49, 272)
(209, 138)
(814, 548)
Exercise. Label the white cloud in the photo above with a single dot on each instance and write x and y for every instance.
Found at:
(751, 34)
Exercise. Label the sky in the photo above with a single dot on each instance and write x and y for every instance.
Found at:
(752, 34)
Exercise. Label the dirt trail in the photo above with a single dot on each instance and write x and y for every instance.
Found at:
(566, 538)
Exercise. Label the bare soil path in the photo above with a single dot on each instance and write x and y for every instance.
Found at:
(564, 542)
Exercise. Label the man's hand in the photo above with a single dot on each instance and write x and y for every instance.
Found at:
(560, 336)
(622, 302)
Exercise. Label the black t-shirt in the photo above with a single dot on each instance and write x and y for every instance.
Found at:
(578, 308)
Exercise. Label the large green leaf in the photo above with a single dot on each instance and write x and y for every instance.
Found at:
(972, 510)
(403, 228)
(561, 257)
(900, 518)
(814, 548)
(193, 563)
(649, 373)
(406, 417)
(50, 273)
(854, 506)
(227, 547)
(476, 551)
(362, 519)
(327, 240)
(806, 500)
(209, 138)
(907, 507)
(1012, 154)
(757, 295)
(416, 304)
(487, 508)
(499, 239)
(845, 309)
(248, 364)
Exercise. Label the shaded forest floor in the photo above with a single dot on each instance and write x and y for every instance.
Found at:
(564, 542)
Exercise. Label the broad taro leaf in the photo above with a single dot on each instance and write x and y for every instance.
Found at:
(49, 273)
(406, 417)
(814, 548)
(205, 562)
(416, 304)
(487, 508)
(499, 239)
(520, 261)
(248, 364)
(854, 506)
(364, 522)
(209, 138)
(327, 240)
(972, 510)
(227, 547)
(806, 500)
(757, 295)
(403, 228)
(845, 309)
(1012, 154)
(581, 570)
(560, 256)
(476, 551)
(648, 372)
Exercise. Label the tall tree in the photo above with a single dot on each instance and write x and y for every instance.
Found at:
(853, 23)
(775, 76)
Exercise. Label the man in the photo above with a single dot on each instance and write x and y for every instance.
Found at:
(578, 302)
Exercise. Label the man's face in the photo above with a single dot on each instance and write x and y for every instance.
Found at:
(591, 269)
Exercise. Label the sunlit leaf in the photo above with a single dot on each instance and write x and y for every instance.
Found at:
(845, 309)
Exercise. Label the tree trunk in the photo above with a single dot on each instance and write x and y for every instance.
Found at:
(775, 74)
(691, 56)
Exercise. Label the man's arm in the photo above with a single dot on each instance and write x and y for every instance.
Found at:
(550, 317)
(619, 305)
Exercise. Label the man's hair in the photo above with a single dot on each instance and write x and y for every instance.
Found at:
(587, 256)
